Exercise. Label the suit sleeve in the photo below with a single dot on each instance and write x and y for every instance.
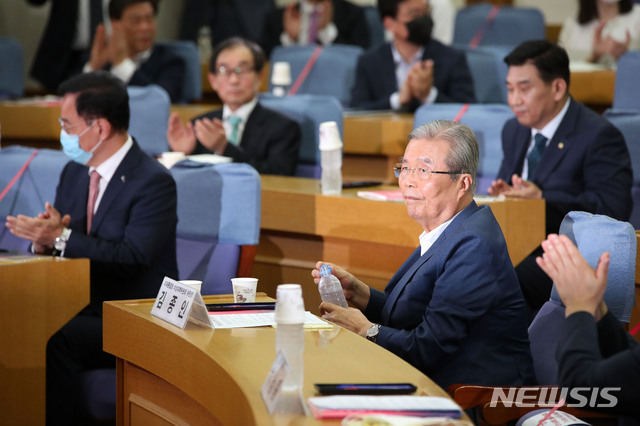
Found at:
(145, 218)
(170, 77)
(465, 290)
(363, 91)
(352, 28)
(581, 362)
(459, 86)
(606, 177)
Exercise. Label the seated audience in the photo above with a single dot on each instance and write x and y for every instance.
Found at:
(558, 150)
(243, 129)
(66, 41)
(129, 52)
(316, 22)
(603, 31)
(413, 69)
(114, 205)
(594, 350)
(454, 310)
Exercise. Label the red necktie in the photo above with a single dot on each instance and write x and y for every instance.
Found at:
(93, 196)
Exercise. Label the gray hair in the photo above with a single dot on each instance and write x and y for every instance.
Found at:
(464, 153)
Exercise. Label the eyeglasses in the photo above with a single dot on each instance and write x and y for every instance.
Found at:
(66, 126)
(401, 170)
(238, 71)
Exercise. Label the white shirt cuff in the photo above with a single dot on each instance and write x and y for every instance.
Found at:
(394, 100)
(328, 34)
(433, 94)
(124, 71)
(285, 40)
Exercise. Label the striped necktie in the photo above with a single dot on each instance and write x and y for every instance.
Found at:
(235, 124)
(533, 159)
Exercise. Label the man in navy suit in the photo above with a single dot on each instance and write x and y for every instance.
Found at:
(129, 51)
(413, 69)
(125, 224)
(243, 129)
(454, 310)
(559, 150)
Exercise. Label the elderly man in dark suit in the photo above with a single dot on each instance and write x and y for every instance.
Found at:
(114, 205)
(559, 150)
(128, 50)
(243, 129)
(413, 69)
(454, 309)
(321, 22)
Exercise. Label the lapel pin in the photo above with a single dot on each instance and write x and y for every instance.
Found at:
(560, 145)
(123, 178)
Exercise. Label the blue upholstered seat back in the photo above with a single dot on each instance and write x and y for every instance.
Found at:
(628, 122)
(486, 121)
(489, 73)
(308, 111)
(11, 68)
(332, 74)
(593, 235)
(374, 23)
(148, 124)
(511, 26)
(627, 90)
(192, 83)
(28, 195)
(218, 211)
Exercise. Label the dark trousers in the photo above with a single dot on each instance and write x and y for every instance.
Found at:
(76, 347)
(534, 282)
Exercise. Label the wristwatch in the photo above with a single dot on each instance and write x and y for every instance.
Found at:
(60, 243)
(372, 332)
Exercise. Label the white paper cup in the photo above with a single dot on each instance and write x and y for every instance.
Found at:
(244, 289)
(289, 304)
(168, 159)
(194, 284)
(281, 74)
(329, 136)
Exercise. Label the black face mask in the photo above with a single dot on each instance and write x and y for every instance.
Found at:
(420, 30)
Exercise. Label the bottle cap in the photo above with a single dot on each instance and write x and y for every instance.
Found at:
(329, 136)
(281, 74)
(325, 270)
(289, 304)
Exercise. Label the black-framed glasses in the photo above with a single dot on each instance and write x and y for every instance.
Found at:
(238, 71)
(402, 170)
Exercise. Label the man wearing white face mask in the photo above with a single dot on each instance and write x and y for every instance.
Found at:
(114, 205)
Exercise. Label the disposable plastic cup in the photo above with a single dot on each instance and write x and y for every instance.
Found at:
(244, 289)
(194, 284)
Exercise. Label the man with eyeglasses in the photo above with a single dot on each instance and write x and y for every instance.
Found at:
(454, 309)
(412, 70)
(114, 205)
(243, 129)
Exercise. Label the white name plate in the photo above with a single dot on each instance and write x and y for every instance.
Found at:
(273, 383)
(177, 302)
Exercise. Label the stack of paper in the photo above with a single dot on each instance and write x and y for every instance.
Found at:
(382, 195)
(337, 407)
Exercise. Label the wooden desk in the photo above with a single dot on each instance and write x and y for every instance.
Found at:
(370, 238)
(199, 376)
(594, 88)
(39, 296)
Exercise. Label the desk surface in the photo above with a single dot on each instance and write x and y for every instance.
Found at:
(199, 375)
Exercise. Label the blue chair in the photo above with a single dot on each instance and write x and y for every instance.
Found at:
(486, 121)
(11, 68)
(217, 235)
(489, 73)
(150, 107)
(309, 111)
(333, 73)
(192, 84)
(511, 26)
(376, 28)
(628, 122)
(29, 193)
(626, 94)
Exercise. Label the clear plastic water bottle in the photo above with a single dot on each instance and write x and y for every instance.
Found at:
(330, 158)
(289, 317)
(330, 288)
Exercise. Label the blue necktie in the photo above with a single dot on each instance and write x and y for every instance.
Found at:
(235, 124)
(536, 153)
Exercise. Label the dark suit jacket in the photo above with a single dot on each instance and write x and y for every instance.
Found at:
(163, 68)
(601, 355)
(586, 166)
(270, 142)
(132, 243)
(55, 61)
(376, 77)
(456, 312)
(348, 18)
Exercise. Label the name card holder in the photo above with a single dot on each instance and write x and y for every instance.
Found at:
(176, 303)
